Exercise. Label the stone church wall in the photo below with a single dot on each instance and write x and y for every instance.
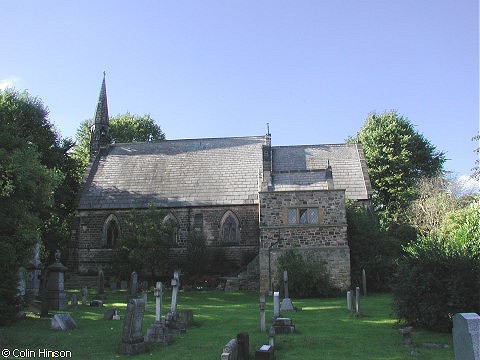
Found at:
(87, 250)
(326, 239)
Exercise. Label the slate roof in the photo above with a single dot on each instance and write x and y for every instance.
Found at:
(220, 171)
(303, 168)
(174, 173)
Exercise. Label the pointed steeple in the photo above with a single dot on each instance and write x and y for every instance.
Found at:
(100, 129)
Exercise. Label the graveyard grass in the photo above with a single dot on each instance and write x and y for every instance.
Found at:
(324, 330)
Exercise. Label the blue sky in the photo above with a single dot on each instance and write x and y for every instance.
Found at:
(314, 70)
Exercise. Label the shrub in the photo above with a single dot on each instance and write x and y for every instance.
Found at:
(372, 248)
(440, 276)
(307, 277)
(196, 256)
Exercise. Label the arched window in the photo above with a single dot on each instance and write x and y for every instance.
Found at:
(173, 222)
(230, 228)
(111, 232)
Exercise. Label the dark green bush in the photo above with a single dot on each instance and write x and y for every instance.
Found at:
(307, 277)
(431, 285)
(196, 255)
(372, 248)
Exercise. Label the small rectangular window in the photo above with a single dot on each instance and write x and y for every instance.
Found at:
(302, 216)
(198, 222)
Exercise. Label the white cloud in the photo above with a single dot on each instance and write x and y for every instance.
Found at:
(4, 83)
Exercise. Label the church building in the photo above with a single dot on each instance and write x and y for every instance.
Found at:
(249, 198)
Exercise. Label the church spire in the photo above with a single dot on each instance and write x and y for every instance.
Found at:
(100, 129)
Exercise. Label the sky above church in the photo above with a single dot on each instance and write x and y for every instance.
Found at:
(313, 69)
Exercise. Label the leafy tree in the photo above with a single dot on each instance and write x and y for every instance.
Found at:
(196, 256)
(123, 129)
(434, 200)
(29, 179)
(439, 275)
(476, 169)
(145, 241)
(397, 156)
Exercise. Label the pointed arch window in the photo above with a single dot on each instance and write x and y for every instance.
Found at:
(230, 228)
(173, 222)
(111, 232)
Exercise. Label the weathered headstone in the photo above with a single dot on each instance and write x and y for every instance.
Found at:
(133, 284)
(74, 300)
(96, 303)
(265, 352)
(357, 301)
(22, 281)
(230, 350)
(132, 338)
(55, 294)
(349, 300)
(145, 298)
(100, 285)
(84, 295)
(466, 336)
(262, 313)
(109, 313)
(243, 341)
(63, 322)
(283, 326)
(271, 337)
(286, 302)
(172, 320)
(276, 305)
(157, 332)
(34, 271)
(186, 316)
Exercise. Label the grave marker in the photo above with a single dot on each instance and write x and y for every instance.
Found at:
(286, 302)
(133, 284)
(157, 332)
(262, 313)
(466, 336)
(132, 337)
(63, 322)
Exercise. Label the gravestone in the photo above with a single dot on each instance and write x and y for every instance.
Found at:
(55, 294)
(243, 342)
(22, 281)
(157, 332)
(283, 326)
(100, 285)
(230, 350)
(357, 301)
(133, 284)
(34, 272)
(132, 338)
(110, 313)
(265, 352)
(349, 300)
(74, 300)
(271, 337)
(63, 322)
(186, 316)
(172, 320)
(84, 295)
(466, 336)
(145, 298)
(286, 302)
(276, 305)
(262, 313)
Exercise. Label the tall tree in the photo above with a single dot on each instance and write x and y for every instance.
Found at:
(476, 169)
(397, 157)
(123, 128)
(28, 183)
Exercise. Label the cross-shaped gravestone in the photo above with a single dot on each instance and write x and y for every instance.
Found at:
(172, 320)
(286, 302)
(158, 293)
(262, 313)
(276, 305)
(285, 283)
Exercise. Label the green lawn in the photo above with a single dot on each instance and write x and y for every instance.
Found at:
(324, 330)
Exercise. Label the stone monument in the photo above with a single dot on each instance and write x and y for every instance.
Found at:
(172, 320)
(262, 313)
(55, 294)
(34, 272)
(157, 332)
(466, 336)
(286, 302)
(132, 337)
